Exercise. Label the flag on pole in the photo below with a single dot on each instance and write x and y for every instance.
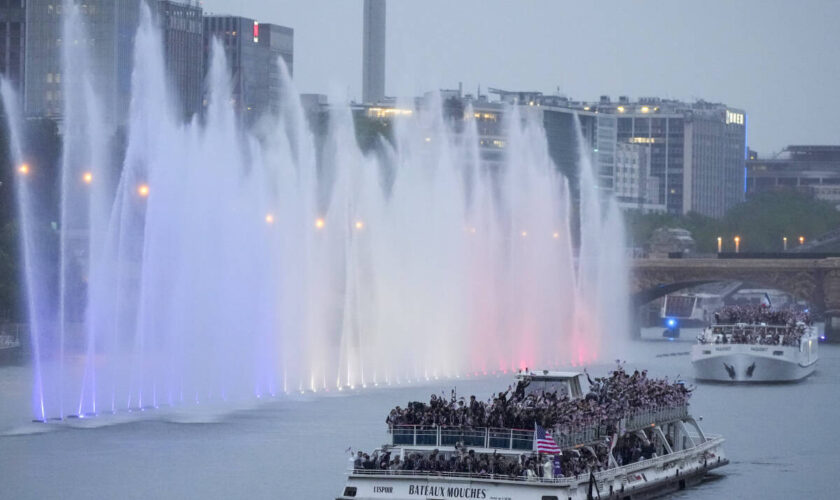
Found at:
(766, 300)
(544, 443)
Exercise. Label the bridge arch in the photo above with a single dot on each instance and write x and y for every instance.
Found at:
(651, 280)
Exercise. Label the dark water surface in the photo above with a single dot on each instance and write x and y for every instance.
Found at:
(782, 440)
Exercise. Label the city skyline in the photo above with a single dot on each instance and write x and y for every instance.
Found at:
(765, 57)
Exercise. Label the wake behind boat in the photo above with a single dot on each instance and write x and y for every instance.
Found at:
(558, 435)
(756, 344)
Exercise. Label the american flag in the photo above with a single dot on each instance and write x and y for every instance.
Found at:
(544, 443)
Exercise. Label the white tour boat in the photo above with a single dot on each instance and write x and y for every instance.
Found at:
(755, 353)
(683, 456)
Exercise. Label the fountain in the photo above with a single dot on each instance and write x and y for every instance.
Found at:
(219, 263)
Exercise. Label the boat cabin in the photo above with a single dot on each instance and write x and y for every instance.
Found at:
(575, 385)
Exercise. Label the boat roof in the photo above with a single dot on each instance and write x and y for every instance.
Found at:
(549, 375)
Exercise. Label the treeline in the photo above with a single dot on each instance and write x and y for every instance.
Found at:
(761, 223)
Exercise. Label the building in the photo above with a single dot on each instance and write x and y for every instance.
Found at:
(697, 150)
(814, 170)
(111, 26)
(253, 51)
(373, 52)
(183, 44)
(12, 40)
(635, 188)
(279, 42)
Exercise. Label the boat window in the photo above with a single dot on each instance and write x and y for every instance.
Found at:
(547, 497)
(778, 353)
(350, 491)
(540, 386)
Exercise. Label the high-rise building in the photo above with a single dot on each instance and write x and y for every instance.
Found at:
(183, 44)
(561, 118)
(813, 170)
(12, 40)
(110, 28)
(373, 52)
(697, 150)
(279, 44)
(253, 51)
(635, 188)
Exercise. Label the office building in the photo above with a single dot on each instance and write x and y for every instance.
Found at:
(12, 41)
(814, 170)
(253, 51)
(635, 188)
(110, 28)
(182, 29)
(697, 150)
(373, 52)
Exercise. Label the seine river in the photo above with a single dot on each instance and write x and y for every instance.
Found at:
(782, 440)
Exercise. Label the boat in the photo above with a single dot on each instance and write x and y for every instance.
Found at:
(743, 352)
(680, 455)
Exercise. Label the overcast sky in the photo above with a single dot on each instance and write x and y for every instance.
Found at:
(778, 60)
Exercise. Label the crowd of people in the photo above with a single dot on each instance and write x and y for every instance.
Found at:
(609, 399)
(755, 314)
(758, 324)
(529, 466)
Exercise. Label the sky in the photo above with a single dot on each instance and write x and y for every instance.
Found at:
(778, 60)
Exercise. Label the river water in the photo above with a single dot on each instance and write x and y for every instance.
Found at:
(782, 439)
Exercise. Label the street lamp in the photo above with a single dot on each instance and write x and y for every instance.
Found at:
(87, 177)
(23, 169)
(143, 190)
(784, 242)
(801, 240)
(269, 218)
(737, 244)
(720, 244)
(360, 225)
(320, 223)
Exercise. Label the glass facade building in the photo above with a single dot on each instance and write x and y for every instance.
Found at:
(183, 41)
(12, 38)
(253, 51)
(110, 29)
(697, 150)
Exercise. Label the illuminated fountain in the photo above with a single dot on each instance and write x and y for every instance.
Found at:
(221, 264)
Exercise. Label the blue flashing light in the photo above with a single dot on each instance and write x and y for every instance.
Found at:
(671, 322)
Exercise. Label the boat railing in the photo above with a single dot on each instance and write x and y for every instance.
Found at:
(663, 460)
(523, 439)
(729, 329)
(481, 437)
(644, 418)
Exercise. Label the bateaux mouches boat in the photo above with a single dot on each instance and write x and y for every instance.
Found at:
(646, 453)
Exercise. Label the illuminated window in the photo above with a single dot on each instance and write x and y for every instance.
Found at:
(388, 112)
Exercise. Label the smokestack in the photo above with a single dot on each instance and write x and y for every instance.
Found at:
(373, 52)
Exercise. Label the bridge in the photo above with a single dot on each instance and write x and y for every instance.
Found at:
(815, 280)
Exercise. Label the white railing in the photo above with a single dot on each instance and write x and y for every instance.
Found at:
(711, 442)
(523, 439)
(644, 418)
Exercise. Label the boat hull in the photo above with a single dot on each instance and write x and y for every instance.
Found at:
(754, 363)
(647, 479)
